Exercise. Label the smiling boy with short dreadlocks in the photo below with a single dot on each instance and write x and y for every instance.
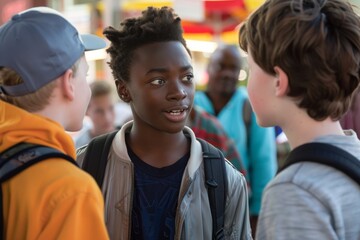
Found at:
(154, 184)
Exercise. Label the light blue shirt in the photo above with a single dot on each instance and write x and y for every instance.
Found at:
(258, 152)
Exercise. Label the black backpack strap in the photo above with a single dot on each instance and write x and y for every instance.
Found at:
(216, 182)
(23, 155)
(247, 111)
(96, 156)
(326, 154)
(18, 158)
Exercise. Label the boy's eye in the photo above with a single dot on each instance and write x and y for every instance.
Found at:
(158, 82)
(188, 78)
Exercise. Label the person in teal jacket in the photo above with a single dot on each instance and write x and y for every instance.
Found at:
(225, 100)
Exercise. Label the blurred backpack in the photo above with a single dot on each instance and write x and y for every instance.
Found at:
(247, 110)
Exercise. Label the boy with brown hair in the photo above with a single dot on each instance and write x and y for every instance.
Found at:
(304, 62)
(43, 92)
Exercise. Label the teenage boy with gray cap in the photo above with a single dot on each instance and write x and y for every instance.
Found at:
(43, 92)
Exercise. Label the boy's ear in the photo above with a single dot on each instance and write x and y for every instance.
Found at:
(282, 82)
(122, 91)
(67, 85)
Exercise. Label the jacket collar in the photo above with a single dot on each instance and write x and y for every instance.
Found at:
(119, 147)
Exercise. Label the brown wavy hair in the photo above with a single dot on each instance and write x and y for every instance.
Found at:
(316, 43)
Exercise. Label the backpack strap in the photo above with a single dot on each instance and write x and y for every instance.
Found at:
(247, 119)
(96, 156)
(19, 157)
(326, 154)
(216, 182)
(22, 155)
(247, 110)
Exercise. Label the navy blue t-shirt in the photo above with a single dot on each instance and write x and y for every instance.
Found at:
(155, 198)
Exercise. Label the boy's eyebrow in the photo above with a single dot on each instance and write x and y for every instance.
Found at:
(164, 69)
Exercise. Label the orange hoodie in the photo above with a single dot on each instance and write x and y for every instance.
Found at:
(52, 199)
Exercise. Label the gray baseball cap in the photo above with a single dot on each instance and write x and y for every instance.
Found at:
(40, 45)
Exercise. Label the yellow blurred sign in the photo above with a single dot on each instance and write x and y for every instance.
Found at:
(140, 5)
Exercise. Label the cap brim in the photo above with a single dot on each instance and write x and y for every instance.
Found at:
(92, 42)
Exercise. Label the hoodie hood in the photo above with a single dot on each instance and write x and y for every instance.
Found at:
(18, 125)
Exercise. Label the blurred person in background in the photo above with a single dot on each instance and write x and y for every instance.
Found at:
(208, 127)
(225, 100)
(100, 112)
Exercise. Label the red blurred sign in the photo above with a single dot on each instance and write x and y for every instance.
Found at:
(220, 16)
(223, 5)
(10, 7)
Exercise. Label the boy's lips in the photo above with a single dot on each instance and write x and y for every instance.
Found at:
(177, 114)
(177, 109)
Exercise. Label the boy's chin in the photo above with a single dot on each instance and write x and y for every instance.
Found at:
(264, 123)
(74, 128)
(176, 129)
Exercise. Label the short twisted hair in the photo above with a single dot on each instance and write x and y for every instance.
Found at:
(316, 43)
(154, 25)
